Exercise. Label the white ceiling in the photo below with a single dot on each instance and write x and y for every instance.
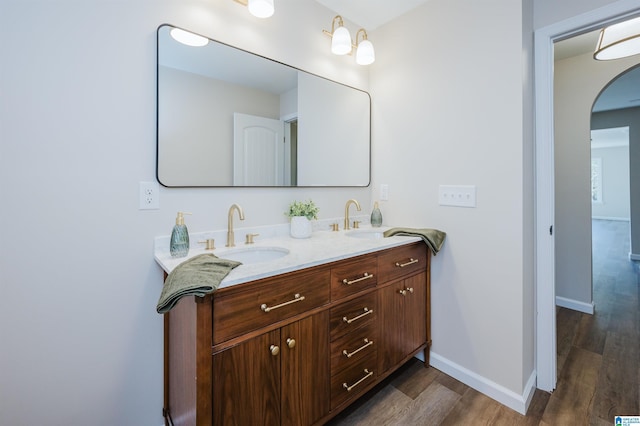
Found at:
(624, 92)
(370, 14)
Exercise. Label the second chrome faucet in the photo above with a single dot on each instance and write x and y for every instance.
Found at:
(230, 236)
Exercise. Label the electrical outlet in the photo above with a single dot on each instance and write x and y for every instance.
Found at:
(457, 195)
(149, 196)
(384, 192)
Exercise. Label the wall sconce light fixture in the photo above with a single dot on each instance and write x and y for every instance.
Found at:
(340, 37)
(259, 8)
(619, 41)
(341, 42)
(365, 54)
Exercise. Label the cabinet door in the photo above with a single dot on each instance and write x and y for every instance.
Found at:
(415, 313)
(246, 382)
(403, 321)
(305, 370)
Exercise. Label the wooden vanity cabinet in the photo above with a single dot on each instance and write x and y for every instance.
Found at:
(277, 378)
(297, 348)
(403, 305)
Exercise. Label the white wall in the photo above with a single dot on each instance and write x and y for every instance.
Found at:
(615, 183)
(449, 109)
(81, 341)
(577, 83)
(196, 133)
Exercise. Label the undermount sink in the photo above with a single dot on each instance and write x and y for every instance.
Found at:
(249, 255)
(371, 234)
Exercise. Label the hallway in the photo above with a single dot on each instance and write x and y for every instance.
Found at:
(598, 363)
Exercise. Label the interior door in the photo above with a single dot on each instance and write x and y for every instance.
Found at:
(258, 151)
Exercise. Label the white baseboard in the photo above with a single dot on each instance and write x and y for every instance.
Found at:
(633, 256)
(504, 396)
(619, 219)
(587, 308)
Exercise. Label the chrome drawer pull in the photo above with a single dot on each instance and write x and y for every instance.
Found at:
(410, 262)
(297, 298)
(367, 344)
(366, 312)
(365, 276)
(348, 388)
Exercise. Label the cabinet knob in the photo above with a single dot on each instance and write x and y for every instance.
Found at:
(403, 292)
(291, 343)
(275, 350)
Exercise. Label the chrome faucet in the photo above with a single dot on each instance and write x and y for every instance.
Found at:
(346, 212)
(230, 237)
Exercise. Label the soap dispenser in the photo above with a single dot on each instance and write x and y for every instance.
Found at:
(180, 237)
(376, 216)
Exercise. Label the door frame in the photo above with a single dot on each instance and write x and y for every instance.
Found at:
(544, 169)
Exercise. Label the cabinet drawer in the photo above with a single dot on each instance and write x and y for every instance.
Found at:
(267, 302)
(353, 314)
(353, 347)
(401, 261)
(352, 382)
(352, 277)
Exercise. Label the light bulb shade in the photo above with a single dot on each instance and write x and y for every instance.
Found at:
(261, 8)
(619, 41)
(188, 38)
(365, 54)
(341, 41)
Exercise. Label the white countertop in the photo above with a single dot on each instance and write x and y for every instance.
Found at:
(324, 246)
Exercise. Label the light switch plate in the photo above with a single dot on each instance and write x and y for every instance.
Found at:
(457, 195)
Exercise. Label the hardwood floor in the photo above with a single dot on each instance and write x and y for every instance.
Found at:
(598, 363)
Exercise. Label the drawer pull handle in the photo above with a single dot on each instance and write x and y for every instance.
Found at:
(366, 345)
(296, 298)
(366, 312)
(275, 350)
(364, 276)
(404, 292)
(410, 262)
(368, 374)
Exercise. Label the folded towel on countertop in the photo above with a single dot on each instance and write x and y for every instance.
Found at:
(432, 237)
(197, 276)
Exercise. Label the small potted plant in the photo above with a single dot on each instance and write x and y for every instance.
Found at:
(301, 212)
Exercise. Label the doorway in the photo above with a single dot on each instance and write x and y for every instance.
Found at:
(545, 176)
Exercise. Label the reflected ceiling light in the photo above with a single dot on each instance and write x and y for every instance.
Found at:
(365, 54)
(340, 37)
(619, 41)
(188, 38)
(259, 8)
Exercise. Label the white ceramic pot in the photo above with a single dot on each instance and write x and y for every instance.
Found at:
(300, 227)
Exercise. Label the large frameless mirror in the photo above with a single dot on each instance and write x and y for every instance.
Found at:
(227, 117)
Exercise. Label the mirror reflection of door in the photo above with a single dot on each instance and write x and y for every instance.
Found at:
(258, 151)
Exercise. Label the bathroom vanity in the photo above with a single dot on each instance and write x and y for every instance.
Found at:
(297, 347)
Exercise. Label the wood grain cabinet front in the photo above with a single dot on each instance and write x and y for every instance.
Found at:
(278, 378)
(297, 348)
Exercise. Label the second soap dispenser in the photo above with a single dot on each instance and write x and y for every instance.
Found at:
(179, 246)
(376, 216)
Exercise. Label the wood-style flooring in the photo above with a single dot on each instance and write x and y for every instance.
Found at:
(598, 363)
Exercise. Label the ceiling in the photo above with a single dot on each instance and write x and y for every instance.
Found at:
(624, 92)
(370, 14)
